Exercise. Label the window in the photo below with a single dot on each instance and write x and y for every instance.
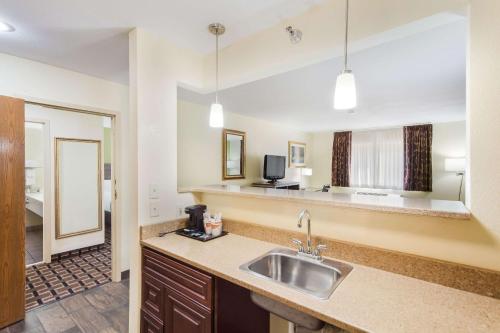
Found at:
(377, 159)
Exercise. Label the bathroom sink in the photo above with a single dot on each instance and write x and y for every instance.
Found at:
(284, 266)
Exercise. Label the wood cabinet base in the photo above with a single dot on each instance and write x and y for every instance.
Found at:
(178, 298)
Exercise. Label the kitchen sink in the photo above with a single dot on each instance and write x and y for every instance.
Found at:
(314, 277)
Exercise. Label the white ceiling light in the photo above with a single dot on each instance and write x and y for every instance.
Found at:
(345, 89)
(5, 27)
(216, 109)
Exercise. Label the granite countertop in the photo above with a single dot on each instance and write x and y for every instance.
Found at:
(368, 300)
(391, 203)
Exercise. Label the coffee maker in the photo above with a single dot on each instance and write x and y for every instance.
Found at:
(196, 217)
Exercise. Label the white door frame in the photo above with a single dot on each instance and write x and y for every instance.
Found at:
(116, 224)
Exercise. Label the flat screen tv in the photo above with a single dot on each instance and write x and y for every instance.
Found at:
(274, 167)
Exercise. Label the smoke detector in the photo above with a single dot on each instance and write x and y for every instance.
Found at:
(294, 34)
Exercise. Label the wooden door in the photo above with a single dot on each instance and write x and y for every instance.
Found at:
(185, 316)
(12, 229)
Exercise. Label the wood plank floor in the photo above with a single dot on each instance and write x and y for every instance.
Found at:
(101, 309)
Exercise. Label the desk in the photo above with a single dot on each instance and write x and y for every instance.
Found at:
(279, 185)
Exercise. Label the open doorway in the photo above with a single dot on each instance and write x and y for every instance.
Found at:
(34, 189)
(75, 184)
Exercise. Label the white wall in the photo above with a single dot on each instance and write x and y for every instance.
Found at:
(200, 146)
(448, 141)
(33, 147)
(36, 81)
(156, 68)
(269, 52)
(67, 125)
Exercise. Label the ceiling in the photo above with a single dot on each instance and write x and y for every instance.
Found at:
(416, 79)
(91, 36)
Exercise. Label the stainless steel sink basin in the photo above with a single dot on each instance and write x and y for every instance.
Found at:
(301, 273)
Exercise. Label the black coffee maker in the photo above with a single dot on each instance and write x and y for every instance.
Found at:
(196, 217)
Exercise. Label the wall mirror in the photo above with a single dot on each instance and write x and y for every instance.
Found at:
(233, 154)
(78, 187)
(405, 137)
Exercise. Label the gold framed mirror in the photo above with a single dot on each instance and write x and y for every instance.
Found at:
(78, 187)
(233, 154)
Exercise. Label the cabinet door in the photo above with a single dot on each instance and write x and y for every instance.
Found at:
(185, 316)
(149, 324)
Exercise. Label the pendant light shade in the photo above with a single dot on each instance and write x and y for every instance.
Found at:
(345, 96)
(216, 115)
(345, 91)
(216, 109)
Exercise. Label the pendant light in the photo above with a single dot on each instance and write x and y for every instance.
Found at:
(216, 109)
(345, 89)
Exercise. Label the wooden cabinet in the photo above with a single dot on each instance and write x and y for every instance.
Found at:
(183, 315)
(177, 298)
(150, 324)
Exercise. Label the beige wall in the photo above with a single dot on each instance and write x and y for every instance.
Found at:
(483, 114)
(33, 80)
(200, 146)
(269, 52)
(461, 241)
(156, 67)
(448, 141)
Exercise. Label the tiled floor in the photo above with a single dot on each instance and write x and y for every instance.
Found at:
(34, 246)
(46, 283)
(102, 309)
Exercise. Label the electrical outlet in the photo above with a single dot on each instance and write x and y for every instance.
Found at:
(154, 191)
(180, 211)
(154, 209)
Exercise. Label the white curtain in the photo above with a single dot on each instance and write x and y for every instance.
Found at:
(377, 159)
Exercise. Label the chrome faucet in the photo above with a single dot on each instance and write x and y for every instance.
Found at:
(303, 214)
(308, 251)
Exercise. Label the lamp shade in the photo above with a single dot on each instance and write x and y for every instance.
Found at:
(454, 164)
(216, 115)
(307, 172)
(345, 91)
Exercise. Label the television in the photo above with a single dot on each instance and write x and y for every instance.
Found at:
(274, 167)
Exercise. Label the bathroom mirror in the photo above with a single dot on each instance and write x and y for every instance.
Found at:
(78, 187)
(233, 154)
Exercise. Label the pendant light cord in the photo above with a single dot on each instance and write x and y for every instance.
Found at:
(346, 33)
(216, 67)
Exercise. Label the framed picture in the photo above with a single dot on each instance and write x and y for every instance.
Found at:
(296, 154)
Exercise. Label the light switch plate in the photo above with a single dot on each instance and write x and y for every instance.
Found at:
(154, 191)
(180, 211)
(154, 209)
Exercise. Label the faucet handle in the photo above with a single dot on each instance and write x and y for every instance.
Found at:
(319, 248)
(299, 244)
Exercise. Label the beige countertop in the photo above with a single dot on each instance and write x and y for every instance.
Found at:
(390, 203)
(368, 299)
